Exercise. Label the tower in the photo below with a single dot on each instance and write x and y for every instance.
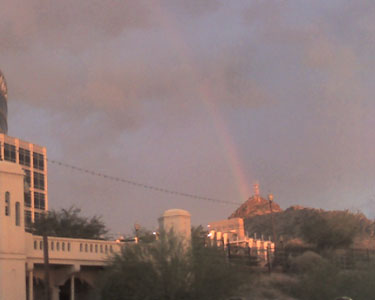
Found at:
(12, 233)
(177, 220)
(3, 104)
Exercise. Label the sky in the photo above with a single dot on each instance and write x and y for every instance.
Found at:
(204, 97)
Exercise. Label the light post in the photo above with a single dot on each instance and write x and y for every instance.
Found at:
(270, 201)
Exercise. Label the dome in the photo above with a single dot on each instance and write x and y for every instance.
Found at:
(3, 104)
(176, 212)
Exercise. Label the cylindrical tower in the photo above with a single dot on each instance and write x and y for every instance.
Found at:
(3, 105)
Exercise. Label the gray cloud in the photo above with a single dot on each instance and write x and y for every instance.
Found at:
(145, 89)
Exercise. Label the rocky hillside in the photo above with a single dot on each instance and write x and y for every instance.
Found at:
(255, 206)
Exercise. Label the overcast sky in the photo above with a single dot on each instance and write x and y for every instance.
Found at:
(198, 96)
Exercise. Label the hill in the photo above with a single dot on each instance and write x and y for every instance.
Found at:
(289, 223)
(255, 206)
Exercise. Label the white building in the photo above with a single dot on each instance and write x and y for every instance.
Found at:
(72, 261)
(23, 197)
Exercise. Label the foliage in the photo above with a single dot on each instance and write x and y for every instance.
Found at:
(268, 287)
(290, 224)
(330, 231)
(69, 223)
(325, 281)
(307, 261)
(144, 235)
(169, 269)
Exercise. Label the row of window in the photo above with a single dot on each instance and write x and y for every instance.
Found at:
(39, 182)
(23, 156)
(92, 248)
(8, 209)
(52, 246)
(28, 219)
(66, 246)
(39, 200)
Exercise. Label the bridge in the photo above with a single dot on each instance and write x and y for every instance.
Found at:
(72, 262)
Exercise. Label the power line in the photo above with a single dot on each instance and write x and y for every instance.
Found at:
(139, 184)
(131, 182)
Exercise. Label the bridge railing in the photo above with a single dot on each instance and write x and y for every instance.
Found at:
(73, 249)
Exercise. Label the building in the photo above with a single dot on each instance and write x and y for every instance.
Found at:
(230, 233)
(33, 160)
(233, 228)
(74, 263)
(31, 157)
(177, 220)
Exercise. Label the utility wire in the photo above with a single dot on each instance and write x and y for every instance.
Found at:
(139, 184)
(122, 180)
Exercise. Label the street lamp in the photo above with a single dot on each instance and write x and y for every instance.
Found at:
(270, 201)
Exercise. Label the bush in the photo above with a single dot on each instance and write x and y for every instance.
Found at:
(325, 281)
(169, 269)
(331, 230)
(306, 262)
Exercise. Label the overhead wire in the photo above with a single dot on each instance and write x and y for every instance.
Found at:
(139, 184)
(133, 183)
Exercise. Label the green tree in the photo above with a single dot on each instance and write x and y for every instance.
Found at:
(69, 223)
(65, 223)
(331, 230)
(169, 269)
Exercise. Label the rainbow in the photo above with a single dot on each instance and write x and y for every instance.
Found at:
(208, 98)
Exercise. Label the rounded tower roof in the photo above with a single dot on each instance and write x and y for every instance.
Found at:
(176, 212)
(3, 104)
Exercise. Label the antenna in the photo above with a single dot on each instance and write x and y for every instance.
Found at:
(256, 190)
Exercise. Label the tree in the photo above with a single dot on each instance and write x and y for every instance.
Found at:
(69, 223)
(169, 269)
(65, 223)
(331, 230)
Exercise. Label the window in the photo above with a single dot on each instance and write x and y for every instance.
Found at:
(38, 161)
(41, 245)
(96, 248)
(10, 152)
(35, 245)
(24, 157)
(52, 245)
(36, 216)
(7, 203)
(39, 200)
(80, 247)
(27, 198)
(57, 246)
(90, 247)
(18, 214)
(101, 248)
(63, 246)
(38, 181)
(28, 177)
(27, 218)
(68, 247)
(86, 247)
